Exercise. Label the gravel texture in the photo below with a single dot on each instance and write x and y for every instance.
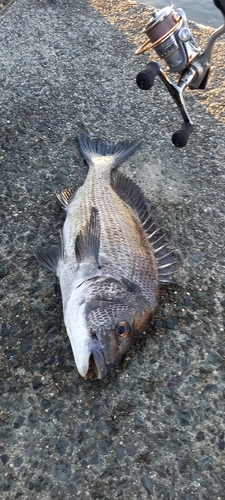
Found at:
(155, 427)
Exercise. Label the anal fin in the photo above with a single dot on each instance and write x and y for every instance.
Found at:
(66, 195)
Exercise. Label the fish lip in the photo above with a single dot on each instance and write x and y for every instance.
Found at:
(99, 359)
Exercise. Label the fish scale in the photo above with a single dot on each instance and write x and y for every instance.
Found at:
(118, 230)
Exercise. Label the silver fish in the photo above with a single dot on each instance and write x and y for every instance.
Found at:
(110, 262)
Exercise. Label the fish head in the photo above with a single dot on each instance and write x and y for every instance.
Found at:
(103, 321)
(114, 320)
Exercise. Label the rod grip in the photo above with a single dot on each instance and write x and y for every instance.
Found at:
(181, 136)
(145, 79)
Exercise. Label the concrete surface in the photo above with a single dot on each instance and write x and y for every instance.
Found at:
(155, 427)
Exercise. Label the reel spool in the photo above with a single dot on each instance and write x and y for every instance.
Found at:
(162, 24)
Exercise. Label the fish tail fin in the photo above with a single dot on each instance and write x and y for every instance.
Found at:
(93, 149)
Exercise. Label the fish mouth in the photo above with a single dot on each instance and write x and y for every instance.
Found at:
(97, 362)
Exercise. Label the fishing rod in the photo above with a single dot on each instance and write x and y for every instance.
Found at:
(170, 36)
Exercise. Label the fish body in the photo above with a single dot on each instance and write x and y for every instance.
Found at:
(111, 260)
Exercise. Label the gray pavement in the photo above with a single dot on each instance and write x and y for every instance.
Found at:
(155, 427)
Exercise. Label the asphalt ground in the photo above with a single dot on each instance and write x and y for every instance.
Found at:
(154, 428)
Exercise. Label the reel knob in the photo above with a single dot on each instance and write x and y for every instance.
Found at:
(181, 136)
(145, 79)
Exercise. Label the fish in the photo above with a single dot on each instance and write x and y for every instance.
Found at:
(111, 259)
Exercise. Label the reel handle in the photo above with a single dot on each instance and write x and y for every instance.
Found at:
(181, 136)
(220, 4)
(145, 79)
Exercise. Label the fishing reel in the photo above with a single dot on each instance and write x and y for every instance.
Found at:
(170, 36)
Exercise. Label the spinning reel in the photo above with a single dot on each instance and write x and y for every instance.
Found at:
(169, 35)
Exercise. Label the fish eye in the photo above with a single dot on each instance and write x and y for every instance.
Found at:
(122, 329)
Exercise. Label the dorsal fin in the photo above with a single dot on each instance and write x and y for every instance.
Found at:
(88, 239)
(66, 195)
(132, 195)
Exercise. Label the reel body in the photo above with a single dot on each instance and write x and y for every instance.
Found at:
(169, 35)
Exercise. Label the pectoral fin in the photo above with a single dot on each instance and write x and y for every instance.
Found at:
(88, 239)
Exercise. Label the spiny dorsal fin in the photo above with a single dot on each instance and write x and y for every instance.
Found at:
(66, 195)
(88, 239)
(132, 195)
